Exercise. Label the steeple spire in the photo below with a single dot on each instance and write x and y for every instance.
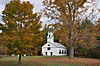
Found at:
(50, 37)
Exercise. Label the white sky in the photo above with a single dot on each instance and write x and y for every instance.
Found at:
(37, 4)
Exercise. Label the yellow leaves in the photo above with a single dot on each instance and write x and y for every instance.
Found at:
(61, 35)
(27, 4)
(28, 36)
(28, 46)
(15, 49)
(81, 41)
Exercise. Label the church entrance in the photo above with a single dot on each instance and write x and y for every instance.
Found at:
(51, 53)
(45, 53)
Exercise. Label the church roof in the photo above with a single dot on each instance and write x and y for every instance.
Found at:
(57, 45)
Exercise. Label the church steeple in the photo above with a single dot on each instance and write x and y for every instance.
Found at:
(50, 37)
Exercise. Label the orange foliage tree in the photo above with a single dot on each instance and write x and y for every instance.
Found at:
(20, 26)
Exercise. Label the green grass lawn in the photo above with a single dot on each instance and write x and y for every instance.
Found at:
(40, 61)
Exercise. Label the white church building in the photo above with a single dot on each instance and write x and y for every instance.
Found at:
(52, 48)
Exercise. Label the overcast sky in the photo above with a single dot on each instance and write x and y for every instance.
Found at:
(37, 5)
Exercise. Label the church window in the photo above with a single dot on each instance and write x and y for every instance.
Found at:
(48, 45)
(59, 51)
(65, 52)
(48, 48)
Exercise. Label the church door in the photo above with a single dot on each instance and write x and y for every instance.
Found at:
(45, 53)
(51, 53)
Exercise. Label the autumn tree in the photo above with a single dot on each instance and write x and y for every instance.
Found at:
(86, 42)
(85, 37)
(66, 12)
(20, 26)
(96, 50)
(97, 30)
(38, 41)
(0, 44)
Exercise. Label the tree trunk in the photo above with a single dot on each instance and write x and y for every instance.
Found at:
(19, 61)
(71, 53)
(71, 49)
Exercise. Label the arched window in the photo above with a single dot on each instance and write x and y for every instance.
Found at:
(65, 52)
(59, 51)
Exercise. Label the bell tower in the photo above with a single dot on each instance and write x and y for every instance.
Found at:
(50, 37)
